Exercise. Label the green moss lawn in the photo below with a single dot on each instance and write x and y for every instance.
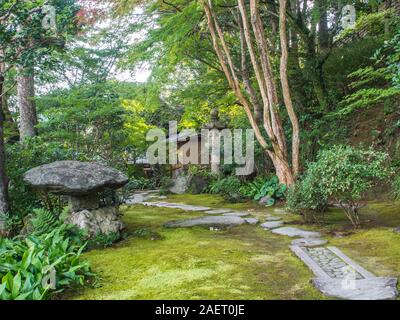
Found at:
(243, 262)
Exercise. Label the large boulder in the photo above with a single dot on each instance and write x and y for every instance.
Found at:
(100, 221)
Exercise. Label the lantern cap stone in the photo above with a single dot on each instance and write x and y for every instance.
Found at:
(75, 178)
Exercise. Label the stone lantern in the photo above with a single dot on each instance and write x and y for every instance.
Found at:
(214, 127)
(82, 182)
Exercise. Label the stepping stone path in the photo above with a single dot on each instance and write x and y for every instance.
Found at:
(336, 274)
(236, 214)
(271, 224)
(309, 242)
(218, 211)
(251, 220)
(295, 232)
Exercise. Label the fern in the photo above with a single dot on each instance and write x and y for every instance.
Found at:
(44, 221)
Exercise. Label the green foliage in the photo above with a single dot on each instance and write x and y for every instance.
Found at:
(22, 157)
(44, 221)
(396, 188)
(103, 240)
(263, 187)
(37, 267)
(165, 183)
(341, 173)
(376, 83)
(227, 187)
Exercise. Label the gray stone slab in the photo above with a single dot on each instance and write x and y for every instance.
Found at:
(251, 220)
(271, 224)
(354, 265)
(308, 242)
(219, 211)
(236, 214)
(378, 288)
(295, 232)
(181, 206)
(206, 221)
(315, 268)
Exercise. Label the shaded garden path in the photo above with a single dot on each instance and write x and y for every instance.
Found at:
(336, 274)
(243, 262)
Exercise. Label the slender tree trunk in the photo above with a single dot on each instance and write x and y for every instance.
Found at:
(286, 90)
(260, 61)
(4, 202)
(26, 104)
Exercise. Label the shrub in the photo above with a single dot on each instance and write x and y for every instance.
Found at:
(36, 267)
(396, 187)
(227, 187)
(343, 174)
(264, 187)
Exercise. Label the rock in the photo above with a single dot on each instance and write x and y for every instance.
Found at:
(197, 184)
(236, 214)
(377, 288)
(218, 211)
(266, 201)
(206, 221)
(295, 232)
(397, 230)
(180, 184)
(181, 206)
(100, 221)
(308, 242)
(271, 224)
(251, 220)
(74, 178)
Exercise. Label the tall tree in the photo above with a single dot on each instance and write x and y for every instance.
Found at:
(23, 37)
(256, 44)
(26, 104)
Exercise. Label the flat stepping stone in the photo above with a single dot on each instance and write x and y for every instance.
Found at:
(181, 206)
(236, 214)
(340, 277)
(378, 288)
(295, 232)
(218, 211)
(206, 221)
(271, 224)
(272, 218)
(251, 220)
(309, 242)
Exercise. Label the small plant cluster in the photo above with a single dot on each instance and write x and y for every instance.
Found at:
(341, 173)
(228, 187)
(263, 187)
(233, 189)
(39, 266)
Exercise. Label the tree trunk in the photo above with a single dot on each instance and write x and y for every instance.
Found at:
(4, 203)
(286, 89)
(26, 105)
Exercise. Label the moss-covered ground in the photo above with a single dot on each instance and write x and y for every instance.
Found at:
(243, 262)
